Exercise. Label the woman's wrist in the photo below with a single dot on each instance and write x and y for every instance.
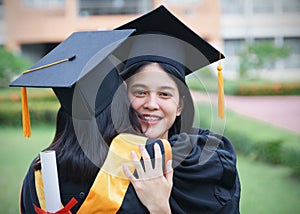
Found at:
(163, 208)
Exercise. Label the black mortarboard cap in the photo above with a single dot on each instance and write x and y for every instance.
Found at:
(79, 71)
(166, 35)
(162, 37)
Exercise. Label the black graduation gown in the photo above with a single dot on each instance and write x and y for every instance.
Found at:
(200, 185)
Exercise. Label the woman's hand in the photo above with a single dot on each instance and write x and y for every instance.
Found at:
(151, 186)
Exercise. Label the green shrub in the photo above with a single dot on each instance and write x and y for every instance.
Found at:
(11, 65)
(40, 112)
(267, 88)
(269, 150)
(43, 106)
(13, 94)
(290, 155)
(245, 87)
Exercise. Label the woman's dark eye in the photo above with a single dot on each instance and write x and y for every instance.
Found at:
(165, 94)
(139, 93)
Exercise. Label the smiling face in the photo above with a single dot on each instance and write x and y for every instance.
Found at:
(155, 96)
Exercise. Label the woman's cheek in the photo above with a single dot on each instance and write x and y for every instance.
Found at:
(136, 103)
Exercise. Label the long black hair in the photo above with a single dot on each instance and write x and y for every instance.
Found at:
(183, 122)
(73, 164)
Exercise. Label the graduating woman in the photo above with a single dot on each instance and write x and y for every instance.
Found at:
(162, 52)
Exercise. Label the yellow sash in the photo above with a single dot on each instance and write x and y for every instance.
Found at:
(39, 186)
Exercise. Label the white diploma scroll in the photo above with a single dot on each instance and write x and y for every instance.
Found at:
(50, 180)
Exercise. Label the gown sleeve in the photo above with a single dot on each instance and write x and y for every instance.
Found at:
(205, 176)
(28, 195)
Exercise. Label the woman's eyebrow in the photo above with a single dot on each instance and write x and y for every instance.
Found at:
(167, 88)
(136, 85)
(163, 87)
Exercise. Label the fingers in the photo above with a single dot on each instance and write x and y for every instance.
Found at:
(169, 172)
(138, 165)
(146, 159)
(148, 171)
(158, 157)
(128, 173)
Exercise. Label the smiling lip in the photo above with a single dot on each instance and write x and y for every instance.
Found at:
(149, 119)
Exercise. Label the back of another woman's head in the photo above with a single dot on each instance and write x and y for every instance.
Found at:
(81, 141)
(74, 158)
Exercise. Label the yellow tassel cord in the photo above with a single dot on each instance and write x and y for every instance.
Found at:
(220, 92)
(50, 64)
(25, 114)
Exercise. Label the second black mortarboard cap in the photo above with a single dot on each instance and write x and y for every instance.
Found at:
(79, 71)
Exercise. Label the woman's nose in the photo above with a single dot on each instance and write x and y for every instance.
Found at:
(151, 102)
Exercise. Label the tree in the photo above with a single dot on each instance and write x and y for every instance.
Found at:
(11, 65)
(260, 55)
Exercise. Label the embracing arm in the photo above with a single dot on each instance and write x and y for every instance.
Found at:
(151, 186)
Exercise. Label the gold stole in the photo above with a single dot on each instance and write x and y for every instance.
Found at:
(109, 188)
(39, 187)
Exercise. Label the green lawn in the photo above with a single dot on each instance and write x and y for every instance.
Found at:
(265, 188)
(16, 155)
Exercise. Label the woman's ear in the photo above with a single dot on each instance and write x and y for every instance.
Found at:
(180, 107)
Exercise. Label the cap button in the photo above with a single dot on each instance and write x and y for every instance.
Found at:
(81, 195)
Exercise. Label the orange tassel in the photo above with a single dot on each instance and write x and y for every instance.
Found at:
(220, 92)
(25, 114)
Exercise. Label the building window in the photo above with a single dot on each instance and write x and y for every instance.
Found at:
(232, 6)
(265, 6)
(106, 7)
(181, 2)
(44, 3)
(233, 46)
(292, 61)
(293, 44)
(1, 10)
(232, 49)
(290, 6)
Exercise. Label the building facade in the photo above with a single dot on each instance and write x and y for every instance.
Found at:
(275, 21)
(34, 27)
(2, 24)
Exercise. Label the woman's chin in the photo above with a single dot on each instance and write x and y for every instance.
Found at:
(154, 133)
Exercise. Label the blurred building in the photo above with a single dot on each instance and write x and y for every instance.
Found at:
(2, 24)
(277, 21)
(34, 27)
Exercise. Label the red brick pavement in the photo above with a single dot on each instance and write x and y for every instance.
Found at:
(280, 111)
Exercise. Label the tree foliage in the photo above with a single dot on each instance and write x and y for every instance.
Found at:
(11, 65)
(260, 55)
